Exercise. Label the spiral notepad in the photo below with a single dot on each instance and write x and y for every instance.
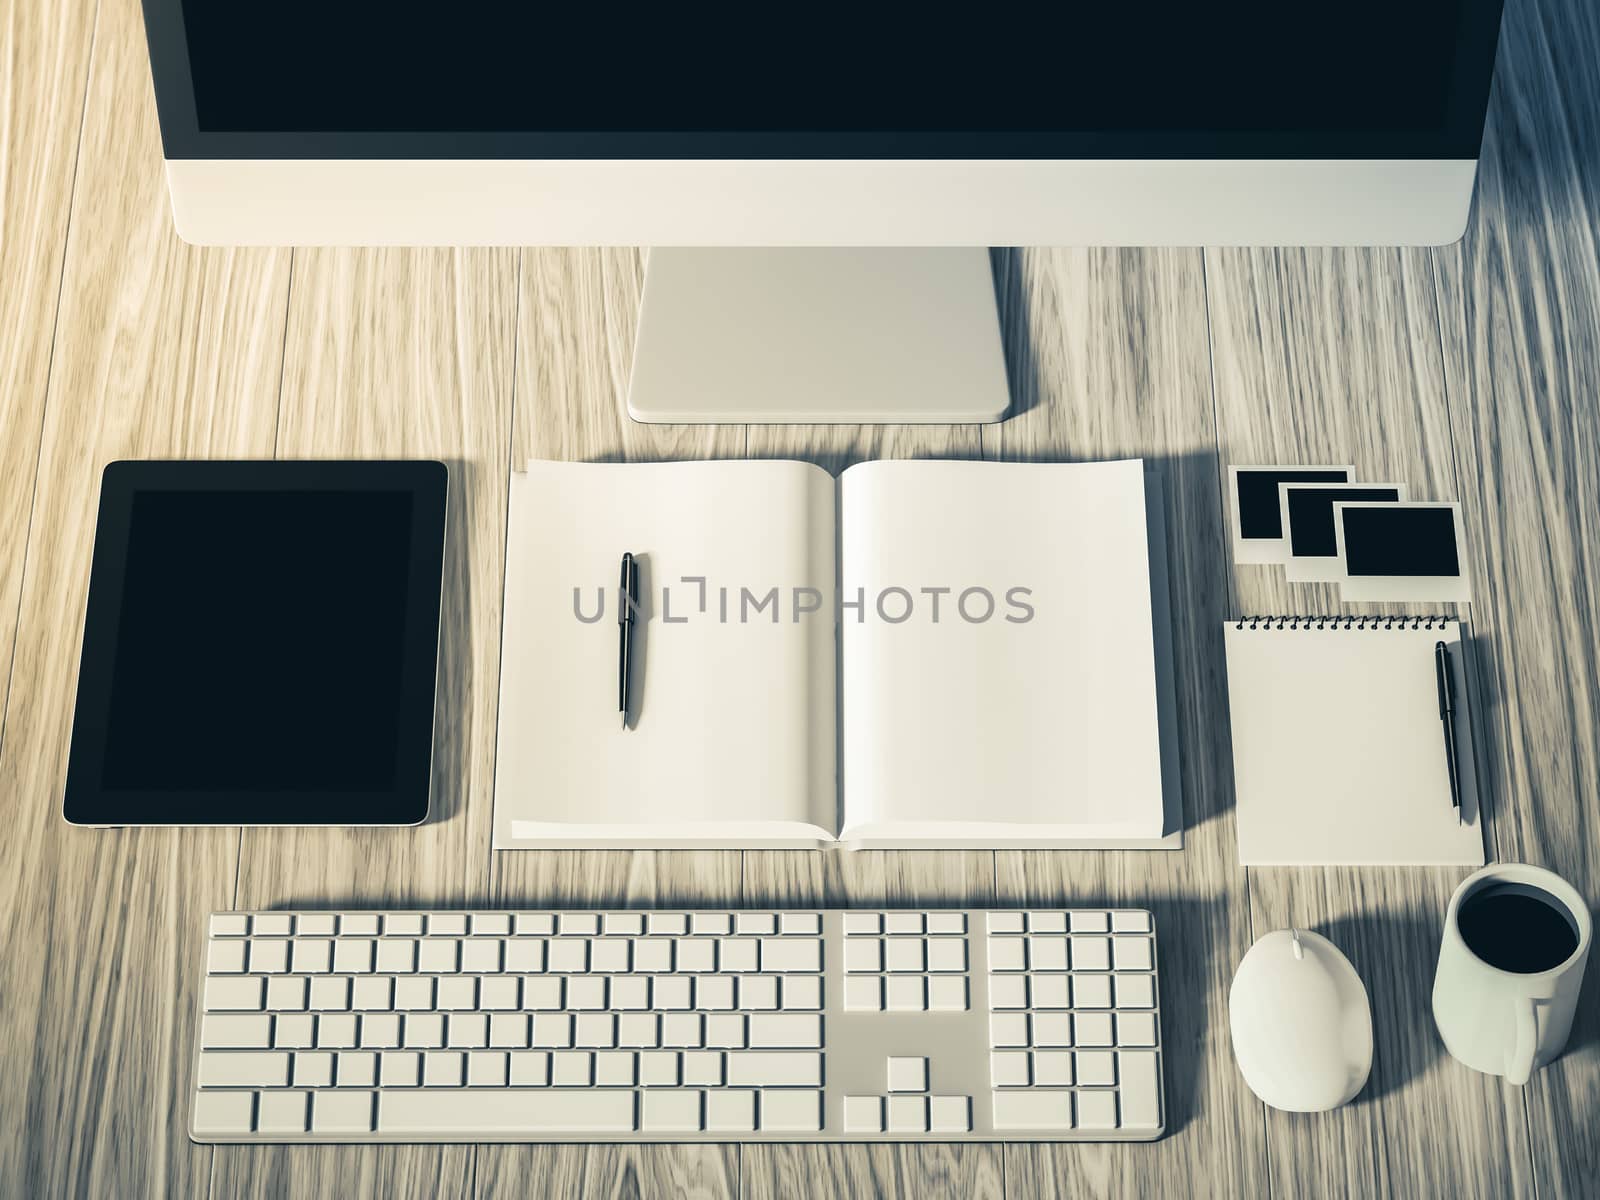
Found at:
(1338, 749)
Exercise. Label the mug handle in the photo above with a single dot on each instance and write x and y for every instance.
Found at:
(1519, 1064)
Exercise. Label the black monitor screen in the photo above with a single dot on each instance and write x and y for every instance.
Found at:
(1368, 77)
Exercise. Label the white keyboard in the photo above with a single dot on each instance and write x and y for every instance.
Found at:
(679, 1026)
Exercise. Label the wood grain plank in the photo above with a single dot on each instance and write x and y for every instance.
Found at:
(960, 1172)
(1333, 356)
(1520, 305)
(1108, 358)
(402, 354)
(162, 350)
(575, 333)
(44, 63)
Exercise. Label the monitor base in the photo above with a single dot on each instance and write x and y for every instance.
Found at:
(818, 336)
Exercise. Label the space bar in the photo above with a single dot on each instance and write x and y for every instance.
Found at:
(496, 1110)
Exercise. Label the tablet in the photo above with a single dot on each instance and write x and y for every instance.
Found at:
(261, 645)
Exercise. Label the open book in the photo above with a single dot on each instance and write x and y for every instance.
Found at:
(917, 654)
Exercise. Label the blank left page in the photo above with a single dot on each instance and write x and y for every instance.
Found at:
(733, 731)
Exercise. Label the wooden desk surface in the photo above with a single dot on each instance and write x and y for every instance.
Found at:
(1470, 372)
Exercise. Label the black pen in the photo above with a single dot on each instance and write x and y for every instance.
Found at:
(627, 608)
(1447, 714)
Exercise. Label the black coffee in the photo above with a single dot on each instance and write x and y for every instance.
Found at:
(1518, 928)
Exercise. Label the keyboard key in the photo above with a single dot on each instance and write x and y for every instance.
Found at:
(294, 1031)
(1008, 1068)
(726, 1031)
(596, 1030)
(640, 1030)
(731, 1111)
(614, 1068)
(1047, 922)
(537, 924)
(1141, 1089)
(359, 925)
(553, 1030)
(425, 1031)
(1130, 922)
(571, 1068)
(902, 922)
(1095, 1068)
(440, 956)
(353, 956)
(1132, 954)
(949, 1114)
(1005, 922)
(737, 954)
(1008, 1029)
(541, 992)
(672, 992)
(682, 1029)
(402, 925)
(466, 1030)
(1090, 922)
(283, 1112)
(674, 923)
(791, 954)
(758, 991)
(314, 957)
(238, 1068)
(342, 1112)
(490, 924)
(904, 954)
(907, 1074)
(1049, 991)
(222, 1113)
(229, 924)
(652, 954)
(509, 1030)
(530, 1069)
(1052, 1029)
(1097, 1110)
(1136, 991)
(272, 924)
(855, 922)
(585, 924)
(486, 1068)
(497, 993)
(696, 954)
(947, 922)
(400, 1068)
(863, 954)
(771, 1068)
(713, 991)
(567, 955)
(330, 993)
(609, 954)
(500, 1113)
(443, 1068)
(702, 1068)
(586, 992)
(623, 923)
(336, 1031)
(908, 1114)
(906, 993)
(1090, 991)
(790, 1112)
(1048, 953)
(754, 923)
(947, 993)
(236, 1031)
(1052, 1068)
(712, 923)
(1093, 1029)
(226, 957)
(863, 1114)
(313, 1068)
(1008, 991)
(236, 993)
(358, 1068)
(454, 992)
(1007, 954)
(447, 925)
(380, 1030)
(947, 954)
(413, 993)
(1091, 954)
(800, 923)
(397, 956)
(480, 955)
(658, 1068)
(1136, 1029)
(317, 925)
(269, 956)
(1046, 1111)
(524, 954)
(801, 991)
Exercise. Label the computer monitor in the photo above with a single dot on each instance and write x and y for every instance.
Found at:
(887, 127)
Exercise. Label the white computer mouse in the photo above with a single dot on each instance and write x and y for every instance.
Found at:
(1302, 1024)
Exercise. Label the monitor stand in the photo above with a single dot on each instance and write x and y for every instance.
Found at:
(818, 336)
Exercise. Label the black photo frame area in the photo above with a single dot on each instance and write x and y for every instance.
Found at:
(261, 644)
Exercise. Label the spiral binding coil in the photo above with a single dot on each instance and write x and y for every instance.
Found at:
(1341, 621)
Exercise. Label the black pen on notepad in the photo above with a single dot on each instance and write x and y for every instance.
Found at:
(627, 610)
(1447, 715)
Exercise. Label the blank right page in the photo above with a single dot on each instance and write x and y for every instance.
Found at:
(998, 677)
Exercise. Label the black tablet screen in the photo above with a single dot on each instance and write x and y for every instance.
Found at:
(260, 642)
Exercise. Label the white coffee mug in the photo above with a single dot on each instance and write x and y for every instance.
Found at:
(1500, 1021)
